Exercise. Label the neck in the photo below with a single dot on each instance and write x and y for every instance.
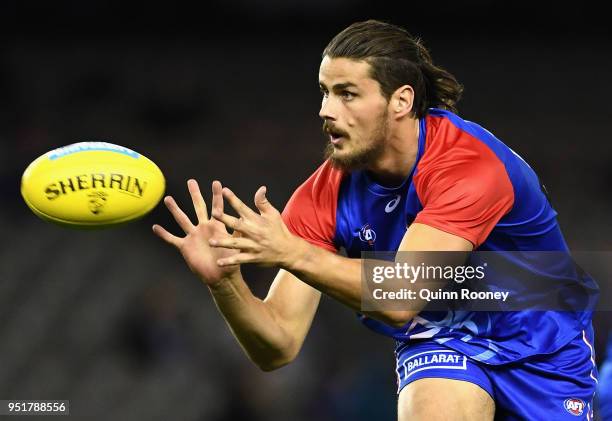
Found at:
(399, 156)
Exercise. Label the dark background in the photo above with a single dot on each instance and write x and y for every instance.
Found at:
(113, 320)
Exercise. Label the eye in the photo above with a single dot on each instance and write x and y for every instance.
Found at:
(347, 95)
(324, 92)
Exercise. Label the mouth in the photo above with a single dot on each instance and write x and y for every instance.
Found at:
(336, 136)
(335, 139)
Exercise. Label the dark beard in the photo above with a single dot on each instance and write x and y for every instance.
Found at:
(359, 161)
(363, 159)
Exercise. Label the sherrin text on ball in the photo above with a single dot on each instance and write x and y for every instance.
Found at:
(92, 184)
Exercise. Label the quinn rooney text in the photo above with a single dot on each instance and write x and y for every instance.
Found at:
(430, 295)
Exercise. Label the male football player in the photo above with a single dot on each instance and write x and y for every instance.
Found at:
(402, 172)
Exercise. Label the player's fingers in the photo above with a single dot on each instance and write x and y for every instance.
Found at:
(217, 206)
(179, 216)
(217, 201)
(261, 201)
(229, 221)
(244, 244)
(238, 205)
(237, 259)
(198, 201)
(166, 236)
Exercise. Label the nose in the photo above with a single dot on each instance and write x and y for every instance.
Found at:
(328, 110)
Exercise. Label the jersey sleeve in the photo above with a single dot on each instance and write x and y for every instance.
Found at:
(310, 213)
(465, 193)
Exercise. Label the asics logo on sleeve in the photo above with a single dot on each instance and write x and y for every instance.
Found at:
(392, 204)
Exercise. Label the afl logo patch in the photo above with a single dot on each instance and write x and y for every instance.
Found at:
(574, 406)
(367, 234)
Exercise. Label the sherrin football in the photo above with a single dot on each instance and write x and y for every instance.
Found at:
(92, 184)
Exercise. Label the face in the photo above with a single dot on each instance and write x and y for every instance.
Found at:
(354, 113)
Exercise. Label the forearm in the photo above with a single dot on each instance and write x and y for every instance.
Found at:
(339, 277)
(253, 323)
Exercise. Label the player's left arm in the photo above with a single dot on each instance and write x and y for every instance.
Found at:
(341, 277)
(266, 240)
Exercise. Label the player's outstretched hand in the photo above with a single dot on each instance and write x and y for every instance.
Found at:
(200, 257)
(264, 238)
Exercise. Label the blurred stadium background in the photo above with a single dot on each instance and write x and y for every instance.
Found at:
(113, 320)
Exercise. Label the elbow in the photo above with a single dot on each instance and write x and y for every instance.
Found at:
(398, 319)
(276, 360)
(268, 366)
(271, 364)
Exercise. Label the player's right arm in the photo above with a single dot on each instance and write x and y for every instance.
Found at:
(271, 331)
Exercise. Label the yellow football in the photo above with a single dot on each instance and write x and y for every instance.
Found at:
(92, 184)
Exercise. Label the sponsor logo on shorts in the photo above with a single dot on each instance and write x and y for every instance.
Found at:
(446, 359)
(574, 406)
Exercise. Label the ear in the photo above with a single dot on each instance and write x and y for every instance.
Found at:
(402, 101)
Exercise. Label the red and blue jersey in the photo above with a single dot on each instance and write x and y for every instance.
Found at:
(465, 182)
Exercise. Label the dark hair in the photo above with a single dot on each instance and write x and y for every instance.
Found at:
(396, 58)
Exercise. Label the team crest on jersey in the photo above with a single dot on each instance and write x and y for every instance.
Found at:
(367, 234)
(574, 406)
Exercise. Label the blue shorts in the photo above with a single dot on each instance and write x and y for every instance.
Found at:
(558, 386)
